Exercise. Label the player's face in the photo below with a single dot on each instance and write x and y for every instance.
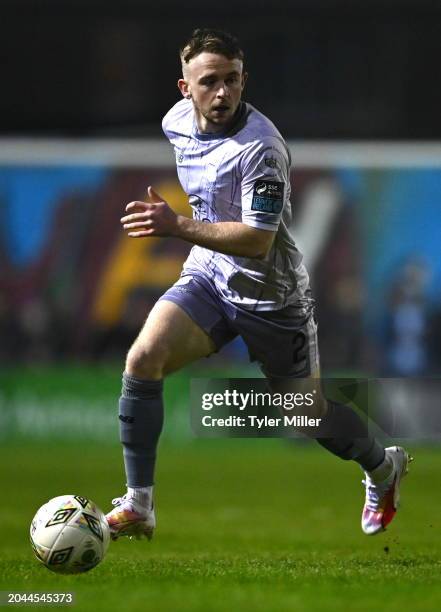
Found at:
(215, 84)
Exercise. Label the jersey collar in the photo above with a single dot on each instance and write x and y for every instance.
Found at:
(239, 121)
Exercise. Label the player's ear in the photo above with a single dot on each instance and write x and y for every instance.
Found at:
(184, 88)
(244, 79)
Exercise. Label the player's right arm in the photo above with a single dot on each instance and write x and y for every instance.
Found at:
(156, 218)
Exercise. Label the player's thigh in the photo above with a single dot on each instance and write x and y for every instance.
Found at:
(283, 350)
(289, 358)
(169, 340)
(306, 363)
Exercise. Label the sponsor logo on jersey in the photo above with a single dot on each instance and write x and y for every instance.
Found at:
(260, 187)
(268, 196)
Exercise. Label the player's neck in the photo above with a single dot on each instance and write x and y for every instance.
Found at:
(207, 128)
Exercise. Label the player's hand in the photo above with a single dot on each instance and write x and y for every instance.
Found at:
(154, 218)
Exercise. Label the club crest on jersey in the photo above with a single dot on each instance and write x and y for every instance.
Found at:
(271, 162)
(268, 196)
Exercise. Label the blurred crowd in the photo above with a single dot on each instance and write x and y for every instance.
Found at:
(407, 341)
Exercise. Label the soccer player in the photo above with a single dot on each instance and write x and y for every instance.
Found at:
(244, 276)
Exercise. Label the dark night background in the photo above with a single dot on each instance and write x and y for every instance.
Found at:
(95, 71)
(324, 69)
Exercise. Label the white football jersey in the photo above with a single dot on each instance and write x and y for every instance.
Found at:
(241, 175)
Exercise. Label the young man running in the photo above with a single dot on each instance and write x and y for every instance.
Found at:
(244, 276)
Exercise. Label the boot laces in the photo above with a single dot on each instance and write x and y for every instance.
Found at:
(375, 492)
(119, 500)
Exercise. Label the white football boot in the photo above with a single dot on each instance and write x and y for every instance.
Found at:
(382, 498)
(130, 518)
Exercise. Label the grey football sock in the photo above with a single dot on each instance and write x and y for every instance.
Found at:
(343, 433)
(141, 416)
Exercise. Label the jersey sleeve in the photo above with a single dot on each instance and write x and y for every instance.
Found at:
(265, 187)
(178, 121)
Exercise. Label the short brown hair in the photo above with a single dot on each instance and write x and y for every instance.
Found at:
(212, 41)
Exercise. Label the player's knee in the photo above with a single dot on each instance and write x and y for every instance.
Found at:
(145, 362)
(307, 387)
(320, 407)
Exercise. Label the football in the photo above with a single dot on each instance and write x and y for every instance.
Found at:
(69, 534)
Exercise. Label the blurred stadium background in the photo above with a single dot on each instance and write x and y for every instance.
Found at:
(354, 89)
(85, 86)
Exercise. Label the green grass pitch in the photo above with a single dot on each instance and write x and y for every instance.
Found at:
(242, 525)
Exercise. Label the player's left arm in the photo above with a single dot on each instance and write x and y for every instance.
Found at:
(265, 185)
(156, 218)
